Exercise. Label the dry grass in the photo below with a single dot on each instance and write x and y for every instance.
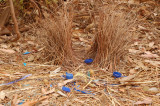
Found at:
(111, 39)
(56, 37)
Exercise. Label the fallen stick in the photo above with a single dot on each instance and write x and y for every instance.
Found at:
(15, 22)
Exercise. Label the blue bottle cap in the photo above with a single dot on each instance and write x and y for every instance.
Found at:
(66, 89)
(117, 74)
(69, 76)
(88, 61)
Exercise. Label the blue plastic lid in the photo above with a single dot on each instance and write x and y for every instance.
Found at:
(88, 61)
(66, 89)
(117, 74)
(69, 76)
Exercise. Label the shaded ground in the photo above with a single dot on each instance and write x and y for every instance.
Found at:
(142, 63)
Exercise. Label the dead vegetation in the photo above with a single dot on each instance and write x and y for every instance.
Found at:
(56, 38)
(26, 80)
(112, 37)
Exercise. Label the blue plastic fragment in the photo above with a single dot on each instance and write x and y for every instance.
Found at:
(25, 64)
(117, 74)
(51, 85)
(88, 61)
(16, 80)
(69, 76)
(20, 103)
(84, 92)
(88, 73)
(63, 76)
(26, 53)
(66, 89)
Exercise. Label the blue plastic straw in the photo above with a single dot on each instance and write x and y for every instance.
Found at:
(16, 80)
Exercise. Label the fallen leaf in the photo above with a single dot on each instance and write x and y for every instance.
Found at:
(43, 90)
(149, 55)
(50, 91)
(4, 46)
(30, 58)
(29, 103)
(141, 65)
(128, 78)
(15, 100)
(55, 71)
(151, 44)
(10, 51)
(158, 94)
(132, 71)
(44, 103)
(154, 63)
(33, 102)
(64, 83)
(145, 101)
(153, 89)
(61, 93)
(133, 51)
(2, 95)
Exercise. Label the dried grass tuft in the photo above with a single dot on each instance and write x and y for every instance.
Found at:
(56, 37)
(112, 38)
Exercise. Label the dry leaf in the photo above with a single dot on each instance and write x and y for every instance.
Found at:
(132, 71)
(33, 102)
(128, 78)
(151, 44)
(4, 46)
(61, 93)
(153, 90)
(64, 83)
(55, 71)
(154, 63)
(14, 101)
(44, 103)
(2, 95)
(50, 91)
(149, 55)
(133, 51)
(29, 103)
(30, 58)
(145, 101)
(43, 90)
(10, 51)
(141, 65)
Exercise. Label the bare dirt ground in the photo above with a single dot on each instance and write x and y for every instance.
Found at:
(140, 68)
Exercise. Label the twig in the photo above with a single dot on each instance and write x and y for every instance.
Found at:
(40, 14)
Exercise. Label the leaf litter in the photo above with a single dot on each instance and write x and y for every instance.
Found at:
(134, 89)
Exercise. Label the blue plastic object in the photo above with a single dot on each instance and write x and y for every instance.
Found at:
(16, 80)
(66, 89)
(117, 74)
(69, 76)
(21, 102)
(88, 61)
(26, 53)
(51, 85)
(25, 64)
